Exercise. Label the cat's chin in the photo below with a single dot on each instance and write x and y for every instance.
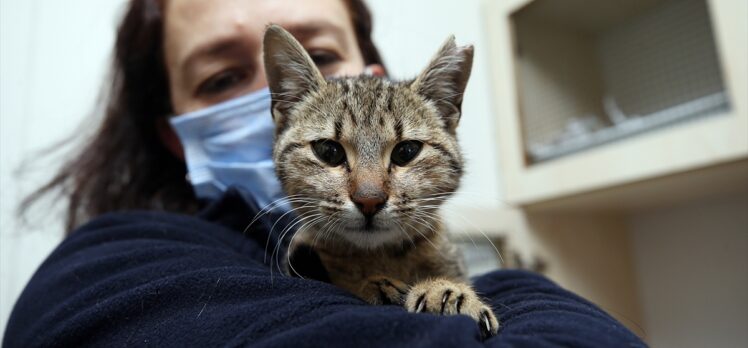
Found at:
(372, 237)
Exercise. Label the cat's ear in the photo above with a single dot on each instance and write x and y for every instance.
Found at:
(290, 72)
(443, 81)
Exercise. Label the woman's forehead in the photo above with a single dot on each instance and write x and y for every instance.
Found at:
(195, 25)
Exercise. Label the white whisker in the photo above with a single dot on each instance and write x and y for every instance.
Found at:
(290, 243)
(481, 232)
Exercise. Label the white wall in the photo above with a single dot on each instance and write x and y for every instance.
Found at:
(53, 59)
(692, 270)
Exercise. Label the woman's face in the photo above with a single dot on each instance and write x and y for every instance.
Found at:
(213, 49)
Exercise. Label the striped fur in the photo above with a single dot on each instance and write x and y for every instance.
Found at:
(369, 116)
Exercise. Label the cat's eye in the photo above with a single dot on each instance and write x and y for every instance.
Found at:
(405, 151)
(329, 151)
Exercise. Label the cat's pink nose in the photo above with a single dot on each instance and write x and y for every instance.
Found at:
(369, 202)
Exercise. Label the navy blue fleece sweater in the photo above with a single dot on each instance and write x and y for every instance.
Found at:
(158, 279)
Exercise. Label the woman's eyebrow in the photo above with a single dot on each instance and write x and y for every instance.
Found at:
(309, 29)
(218, 47)
(211, 49)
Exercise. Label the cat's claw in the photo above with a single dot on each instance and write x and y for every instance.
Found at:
(487, 329)
(445, 297)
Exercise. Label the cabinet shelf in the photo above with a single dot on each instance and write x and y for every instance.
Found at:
(592, 97)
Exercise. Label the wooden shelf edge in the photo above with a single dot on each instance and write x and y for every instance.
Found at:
(728, 178)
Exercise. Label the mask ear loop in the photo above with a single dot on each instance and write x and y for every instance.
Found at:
(373, 70)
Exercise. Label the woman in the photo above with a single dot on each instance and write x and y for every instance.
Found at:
(135, 160)
(198, 275)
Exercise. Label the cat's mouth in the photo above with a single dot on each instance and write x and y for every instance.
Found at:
(368, 233)
(371, 228)
(368, 237)
(369, 224)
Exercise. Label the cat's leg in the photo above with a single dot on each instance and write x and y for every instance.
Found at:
(383, 290)
(446, 297)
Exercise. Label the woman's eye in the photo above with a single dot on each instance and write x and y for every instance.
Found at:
(221, 82)
(405, 151)
(322, 58)
(329, 151)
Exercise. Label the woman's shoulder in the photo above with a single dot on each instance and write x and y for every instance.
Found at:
(227, 222)
(138, 222)
(146, 230)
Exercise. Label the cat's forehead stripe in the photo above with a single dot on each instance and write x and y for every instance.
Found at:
(346, 87)
(398, 128)
(338, 127)
(350, 114)
(354, 109)
(389, 100)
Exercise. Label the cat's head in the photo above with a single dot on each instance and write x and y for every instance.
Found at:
(366, 159)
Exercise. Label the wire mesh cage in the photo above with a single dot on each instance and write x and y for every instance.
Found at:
(589, 73)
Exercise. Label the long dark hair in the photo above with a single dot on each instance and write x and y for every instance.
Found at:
(125, 165)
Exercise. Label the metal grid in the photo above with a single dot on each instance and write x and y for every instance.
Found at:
(654, 69)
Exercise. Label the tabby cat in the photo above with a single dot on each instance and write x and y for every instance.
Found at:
(366, 163)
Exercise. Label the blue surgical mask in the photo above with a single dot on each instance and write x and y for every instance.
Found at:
(231, 144)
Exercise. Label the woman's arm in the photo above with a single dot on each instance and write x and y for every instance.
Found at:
(169, 280)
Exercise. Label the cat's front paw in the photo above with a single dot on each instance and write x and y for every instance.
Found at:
(384, 290)
(441, 296)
